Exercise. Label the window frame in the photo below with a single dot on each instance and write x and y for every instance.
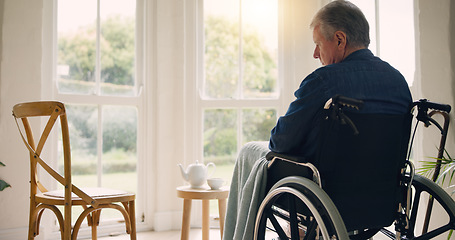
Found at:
(143, 55)
(196, 103)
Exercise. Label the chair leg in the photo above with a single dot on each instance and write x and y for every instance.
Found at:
(95, 219)
(32, 224)
(38, 221)
(132, 214)
(67, 229)
(34, 221)
(94, 232)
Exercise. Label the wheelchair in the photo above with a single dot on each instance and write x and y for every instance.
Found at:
(359, 184)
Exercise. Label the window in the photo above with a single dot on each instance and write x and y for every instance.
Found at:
(238, 91)
(392, 33)
(96, 75)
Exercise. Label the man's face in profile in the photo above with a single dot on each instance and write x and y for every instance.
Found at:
(327, 51)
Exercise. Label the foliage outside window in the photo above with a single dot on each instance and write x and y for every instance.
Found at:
(77, 58)
(240, 66)
(223, 70)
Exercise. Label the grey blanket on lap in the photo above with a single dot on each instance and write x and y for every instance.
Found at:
(247, 191)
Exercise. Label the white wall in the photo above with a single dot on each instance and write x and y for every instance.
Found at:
(435, 76)
(436, 60)
(169, 112)
(20, 80)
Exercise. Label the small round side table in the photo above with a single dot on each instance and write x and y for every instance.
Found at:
(204, 194)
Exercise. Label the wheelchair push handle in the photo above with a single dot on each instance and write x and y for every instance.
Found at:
(424, 104)
(337, 103)
(343, 101)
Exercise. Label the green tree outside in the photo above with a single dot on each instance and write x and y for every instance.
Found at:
(78, 51)
(259, 78)
(259, 70)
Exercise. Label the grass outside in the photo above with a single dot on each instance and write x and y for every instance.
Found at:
(225, 172)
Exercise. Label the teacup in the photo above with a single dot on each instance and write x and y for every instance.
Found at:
(215, 183)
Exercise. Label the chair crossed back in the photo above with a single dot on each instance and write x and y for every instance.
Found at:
(53, 110)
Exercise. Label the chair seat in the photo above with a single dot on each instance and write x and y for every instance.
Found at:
(101, 195)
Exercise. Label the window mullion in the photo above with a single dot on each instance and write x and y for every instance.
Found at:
(239, 128)
(98, 51)
(99, 169)
(240, 80)
(377, 24)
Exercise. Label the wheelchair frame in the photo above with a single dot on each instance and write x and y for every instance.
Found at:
(325, 218)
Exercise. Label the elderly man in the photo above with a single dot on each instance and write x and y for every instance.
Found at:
(341, 36)
(340, 33)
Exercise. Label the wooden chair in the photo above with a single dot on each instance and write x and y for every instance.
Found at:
(92, 200)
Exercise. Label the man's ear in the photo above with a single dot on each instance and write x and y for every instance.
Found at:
(341, 39)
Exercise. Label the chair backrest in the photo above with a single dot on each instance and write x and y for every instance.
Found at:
(361, 172)
(53, 110)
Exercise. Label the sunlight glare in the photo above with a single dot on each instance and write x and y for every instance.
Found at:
(73, 14)
(263, 16)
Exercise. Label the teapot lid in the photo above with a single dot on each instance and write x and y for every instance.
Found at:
(196, 163)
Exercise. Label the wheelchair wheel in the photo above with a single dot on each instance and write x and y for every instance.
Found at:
(422, 189)
(297, 208)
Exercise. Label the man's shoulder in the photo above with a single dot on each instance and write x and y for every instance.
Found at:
(321, 76)
(328, 71)
(370, 64)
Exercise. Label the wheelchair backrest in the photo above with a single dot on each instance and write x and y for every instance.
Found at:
(360, 169)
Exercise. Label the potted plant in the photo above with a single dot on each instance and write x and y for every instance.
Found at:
(3, 184)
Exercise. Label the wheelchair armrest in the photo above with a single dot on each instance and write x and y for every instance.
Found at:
(272, 155)
(298, 160)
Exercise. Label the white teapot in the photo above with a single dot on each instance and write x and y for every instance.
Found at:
(196, 173)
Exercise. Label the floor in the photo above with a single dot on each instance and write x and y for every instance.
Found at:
(195, 234)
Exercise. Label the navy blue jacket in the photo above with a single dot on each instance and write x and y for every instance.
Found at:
(360, 75)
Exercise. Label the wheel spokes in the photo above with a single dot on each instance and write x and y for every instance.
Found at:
(311, 229)
(276, 225)
(293, 221)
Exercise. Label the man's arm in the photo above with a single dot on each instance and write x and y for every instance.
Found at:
(292, 129)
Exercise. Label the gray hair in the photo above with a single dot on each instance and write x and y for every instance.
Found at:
(341, 15)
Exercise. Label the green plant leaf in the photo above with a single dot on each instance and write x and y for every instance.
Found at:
(2, 164)
(447, 171)
(427, 168)
(447, 168)
(3, 185)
